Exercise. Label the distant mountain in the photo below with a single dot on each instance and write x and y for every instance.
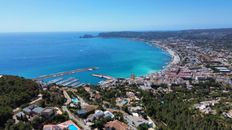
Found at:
(197, 33)
(217, 37)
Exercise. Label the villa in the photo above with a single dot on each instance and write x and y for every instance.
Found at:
(47, 112)
(116, 125)
(223, 69)
(20, 115)
(86, 110)
(228, 114)
(70, 125)
(121, 101)
(100, 114)
(33, 110)
(205, 106)
(136, 121)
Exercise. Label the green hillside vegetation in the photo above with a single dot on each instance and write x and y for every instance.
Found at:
(15, 92)
(175, 110)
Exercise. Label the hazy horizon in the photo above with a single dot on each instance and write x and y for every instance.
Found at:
(108, 15)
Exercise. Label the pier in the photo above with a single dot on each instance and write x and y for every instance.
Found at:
(64, 73)
(55, 81)
(68, 83)
(103, 76)
(75, 84)
(65, 81)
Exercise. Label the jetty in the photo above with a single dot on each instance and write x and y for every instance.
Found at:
(64, 73)
(103, 76)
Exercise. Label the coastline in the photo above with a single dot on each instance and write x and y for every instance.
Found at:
(174, 61)
(175, 57)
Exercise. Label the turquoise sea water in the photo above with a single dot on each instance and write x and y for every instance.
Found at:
(34, 54)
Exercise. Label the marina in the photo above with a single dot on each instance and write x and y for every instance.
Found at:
(55, 80)
(75, 84)
(82, 84)
(65, 81)
(80, 56)
(71, 82)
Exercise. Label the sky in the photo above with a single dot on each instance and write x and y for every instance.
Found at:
(113, 15)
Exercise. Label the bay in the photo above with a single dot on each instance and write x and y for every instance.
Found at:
(34, 54)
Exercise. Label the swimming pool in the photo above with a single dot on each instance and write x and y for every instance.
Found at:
(75, 100)
(72, 127)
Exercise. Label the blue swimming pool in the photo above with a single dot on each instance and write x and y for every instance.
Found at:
(75, 100)
(72, 127)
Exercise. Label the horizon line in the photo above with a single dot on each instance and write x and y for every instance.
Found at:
(158, 30)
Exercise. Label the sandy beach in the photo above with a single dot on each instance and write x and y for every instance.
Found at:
(175, 56)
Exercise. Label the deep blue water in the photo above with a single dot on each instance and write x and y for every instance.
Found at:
(34, 54)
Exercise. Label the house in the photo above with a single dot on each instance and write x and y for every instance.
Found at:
(33, 109)
(222, 69)
(135, 109)
(27, 110)
(85, 110)
(108, 114)
(47, 112)
(37, 110)
(130, 94)
(20, 115)
(100, 114)
(136, 121)
(67, 125)
(82, 113)
(229, 114)
(52, 127)
(121, 102)
(116, 125)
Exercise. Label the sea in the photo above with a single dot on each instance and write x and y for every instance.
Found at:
(31, 55)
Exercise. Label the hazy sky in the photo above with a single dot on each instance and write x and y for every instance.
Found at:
(113, 15)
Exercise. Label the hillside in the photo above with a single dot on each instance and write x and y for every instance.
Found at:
(14, 92)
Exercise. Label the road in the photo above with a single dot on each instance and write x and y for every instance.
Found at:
(37, 100)
(70, 114)
(67, 97)
(73, 117)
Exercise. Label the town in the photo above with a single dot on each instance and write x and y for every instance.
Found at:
(193, 90)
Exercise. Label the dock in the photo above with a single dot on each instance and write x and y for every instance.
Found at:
(78, 85)
(64, 73)
(55, 81)
(70, 82)
(65, 81)
(103, 76)
(74, 84)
